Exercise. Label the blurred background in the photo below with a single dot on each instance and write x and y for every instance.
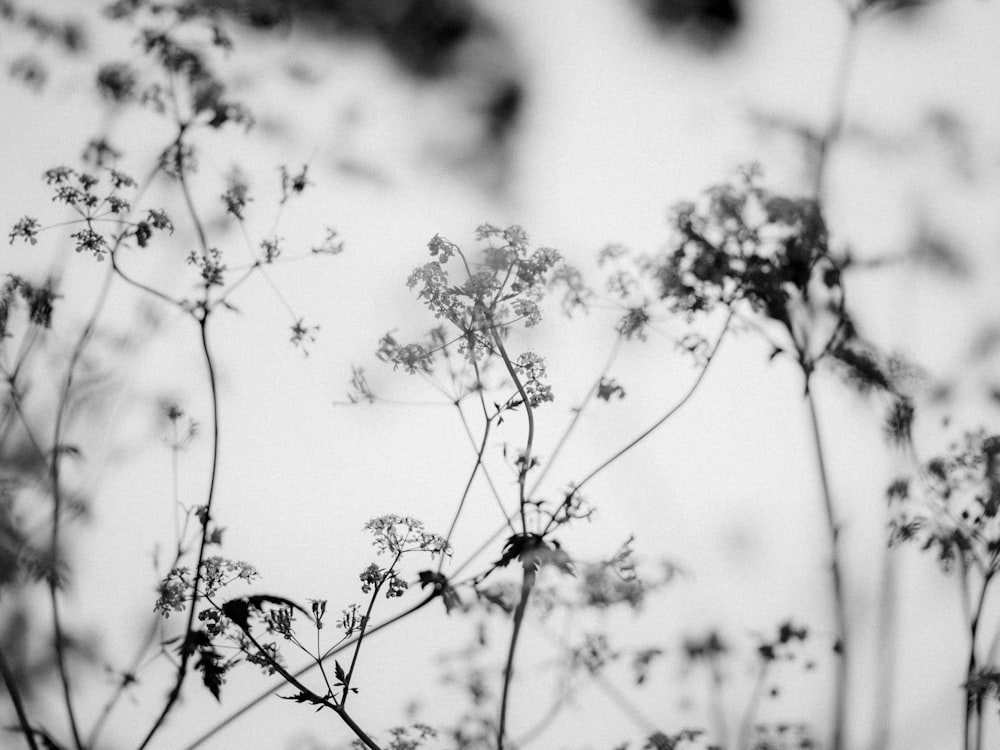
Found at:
(583, 122)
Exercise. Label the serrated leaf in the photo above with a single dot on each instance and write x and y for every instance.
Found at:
(338, 671)
(213, 671)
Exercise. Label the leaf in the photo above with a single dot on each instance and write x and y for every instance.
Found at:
(300, 697)
(238, 610)
(442, 587)
(496, 597)
(213, 670)
(63, 449)
(196, 640)
(863, 369)
(533, 552)
(338, 671)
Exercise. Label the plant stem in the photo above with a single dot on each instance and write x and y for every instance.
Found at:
(743, 737)
(888, 656)
(362, 631)
(529, 412)
(468, 485)
(293, 680)
(577, 413)
(835, 124)
(839, 605)
(650, 430)
(974, 705)
(527, 583)
(331, 652)
(15, 698)
(54, 479)
(192, 614)
(369, 742)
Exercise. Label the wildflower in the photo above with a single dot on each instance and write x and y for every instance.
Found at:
(236, 198)
(159, 220)
(120, 179)
(90, 241)
(293, 184)
(173, 592)
(58, 175)
(26, 228)
(117, 82)
(370, 578)
(330, 245)
(271, 248)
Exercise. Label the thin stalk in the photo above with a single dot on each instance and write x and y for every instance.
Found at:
(886, 683)
(715, 700)
(122, 686)
(468, 486)
(835, 124)
(140, 286)
(361, 633)
(529, 412)
(836, 573)
(974, 705)
(189, 628)
(293, 680)
(346, 717)
(577, 413)
(652, 428)
(483, 469)
(15, 698)
(54, 477)
(527, 583)
(743, 737)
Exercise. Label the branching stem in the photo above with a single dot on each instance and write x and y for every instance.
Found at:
(330, 652)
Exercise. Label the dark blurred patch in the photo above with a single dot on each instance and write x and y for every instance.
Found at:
(952, 135)
(905, 8)
(67, 33)
(29, 67)
(421, 35)
(29, 70)
(986, 343)
(935, 250)
(503, 110)
(709, 21)
(452, 42)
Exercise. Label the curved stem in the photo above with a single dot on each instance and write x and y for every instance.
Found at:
(54, 479)
(577, 413)
(361, 633)
(529, 412)
(468, 486)
(207, 515)
(482, 467)
(652, 428)
(527, 583)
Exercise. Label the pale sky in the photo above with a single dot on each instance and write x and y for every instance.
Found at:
(619, 123)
